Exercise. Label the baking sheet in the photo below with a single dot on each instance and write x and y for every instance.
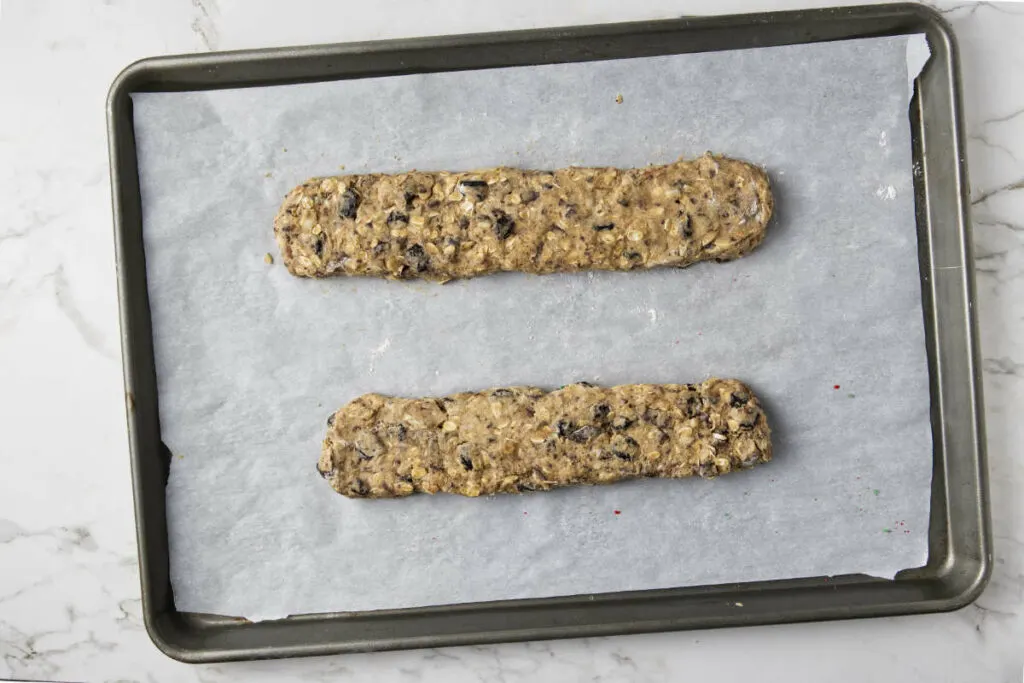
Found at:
(824, 320)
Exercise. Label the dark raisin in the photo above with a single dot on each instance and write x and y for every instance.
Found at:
(658, 418)
(530, 196)
(584, 434)
(692, 406)
(604, 226)
(525, 486)
(473, 183)
(565, 428)
(379, 248)
(408, 197)
(433, 204)
(318, 245)
(633, 255)
(330, 473)
(620, 423)
(397, 217)
(417, 258)
(685, 229)
(601, 411)
(501, 393)
(463, 222)
(585, 384)
(330, 420)
(467, 462)
(360, 488)
(363, 455)
(406, 478)
(622, 455)
(398, 429)
(504, 226)
(474, 190)
(547, 186)
(348, 205)
(570, 211)
(632, 442)
(737, 400)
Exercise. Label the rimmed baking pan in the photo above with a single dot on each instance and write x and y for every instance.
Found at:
(959, 537)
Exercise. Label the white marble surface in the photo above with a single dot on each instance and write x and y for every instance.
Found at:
(69, 605)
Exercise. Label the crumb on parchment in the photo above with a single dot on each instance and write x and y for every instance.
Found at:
(268, 258)
(618, 99)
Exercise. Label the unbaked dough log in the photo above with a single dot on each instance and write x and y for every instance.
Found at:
(443, 226)
(517, 439)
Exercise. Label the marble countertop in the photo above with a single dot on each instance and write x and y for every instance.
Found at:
(69, 589)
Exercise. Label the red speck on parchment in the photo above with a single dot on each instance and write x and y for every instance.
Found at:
(835, 386)
(618, 512)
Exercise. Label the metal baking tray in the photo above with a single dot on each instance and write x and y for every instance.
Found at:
(959, 533)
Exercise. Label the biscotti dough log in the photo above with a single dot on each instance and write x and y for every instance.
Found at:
(517, 439)
(443, 226)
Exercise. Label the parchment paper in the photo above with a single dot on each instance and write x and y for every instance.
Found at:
(824, 320)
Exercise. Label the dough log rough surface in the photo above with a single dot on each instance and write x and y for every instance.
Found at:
(443, 226)
(515, 439)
